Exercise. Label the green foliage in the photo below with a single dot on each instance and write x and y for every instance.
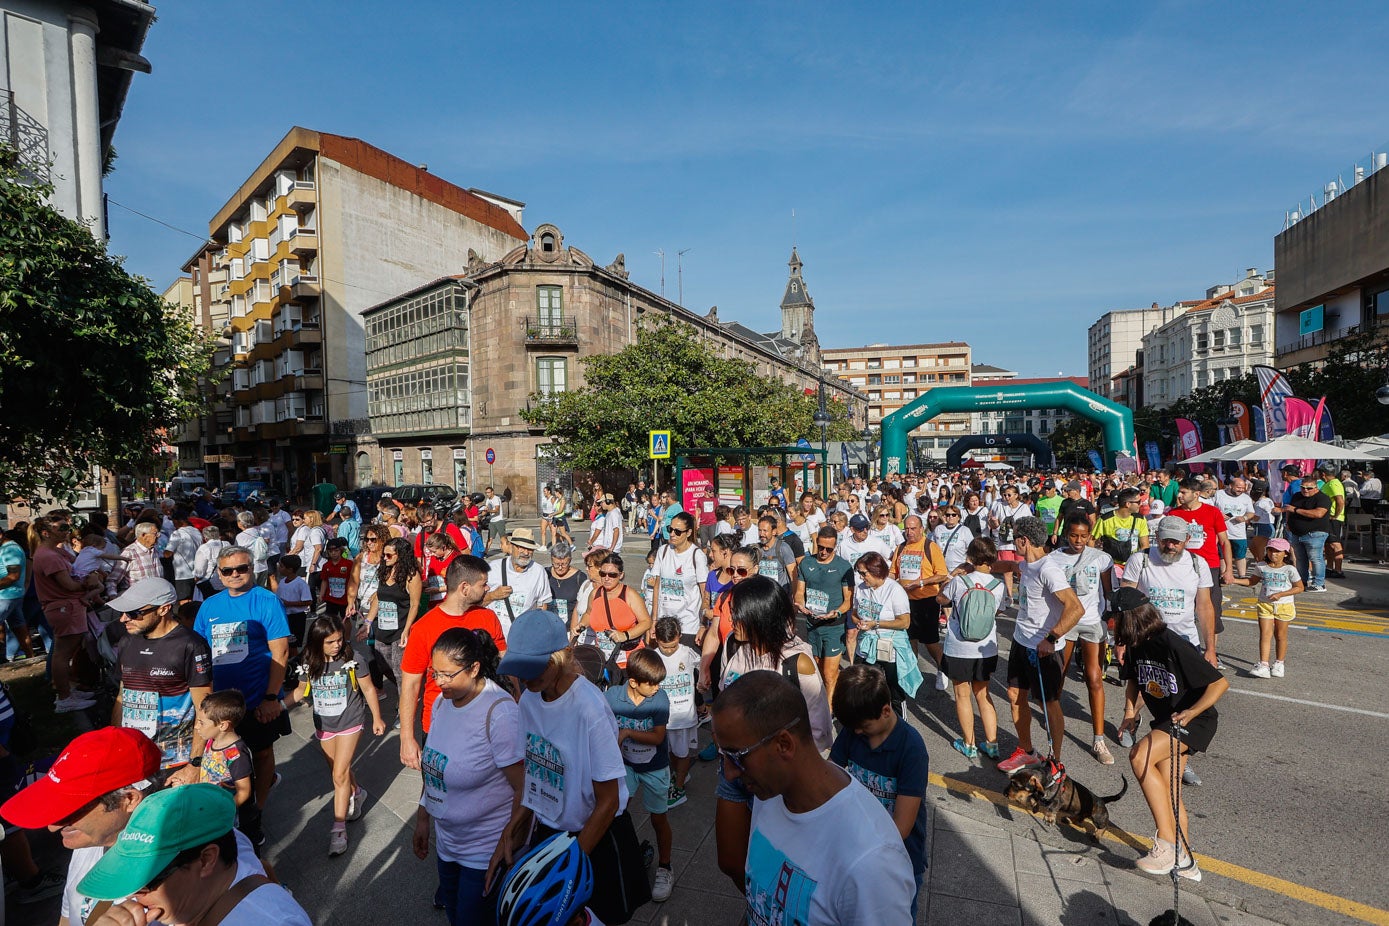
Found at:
(669, 379)
(94, 366)
(1073, 438)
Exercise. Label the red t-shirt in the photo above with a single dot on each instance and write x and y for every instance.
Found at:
(1203, 529)
(335, 577)
(449, 528)
(419, 649)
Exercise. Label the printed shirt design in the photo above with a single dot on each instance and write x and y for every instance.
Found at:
(637, 753)
(433, 764)
(231, 643)
(166, 719)
(1155, 679)
(883, 787)
(544, 776)
(679, 688)
(778, 892)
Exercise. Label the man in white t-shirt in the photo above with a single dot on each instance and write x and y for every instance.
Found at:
(823, 850)
(182, 552)
(861, 540)
(1047, 610)
(1238, 509)
(521, 584)
(1173, 578)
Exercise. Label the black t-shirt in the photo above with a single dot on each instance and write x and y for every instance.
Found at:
(1172, 674)
(156, 676)
(1072, 506)
(793, 540)
(1300, 524)
(565, 593)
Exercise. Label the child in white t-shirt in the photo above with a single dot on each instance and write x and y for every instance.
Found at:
(682, 730)
(1278, 581)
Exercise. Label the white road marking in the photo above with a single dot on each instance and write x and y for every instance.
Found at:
(1330, 707)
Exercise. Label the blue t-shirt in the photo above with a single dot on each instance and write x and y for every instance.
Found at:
(12, 554)
(651, 713)
(239, 630)
(351, 531)
(667, 513)
(899, 766)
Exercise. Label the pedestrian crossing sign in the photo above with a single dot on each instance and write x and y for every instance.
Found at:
(660, 445)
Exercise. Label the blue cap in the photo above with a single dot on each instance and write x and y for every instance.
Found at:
(534, 637)
(859, 523)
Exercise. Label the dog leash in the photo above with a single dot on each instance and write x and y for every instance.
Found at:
(1177, 735)
(1056, 772)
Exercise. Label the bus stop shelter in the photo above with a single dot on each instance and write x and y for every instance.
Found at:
(699, 485)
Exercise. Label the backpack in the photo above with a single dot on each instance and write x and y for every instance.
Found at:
(975, 611)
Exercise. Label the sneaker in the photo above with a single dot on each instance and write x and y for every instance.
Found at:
(275, 782)
(1187, 868)
(1261, 670)
(1020, 759)
(1126, 739)
(1190, 777)
(968, 750)
(71, 703)
(1277, 671)
(337, 842)
(357, 804)
(1317, 588)
(44, 885)
(1219, 666)
(1160, 860)
(1101, 751)
(990, 749)
(665, 880)
(709, 753)
(942, 683)
(675, 797)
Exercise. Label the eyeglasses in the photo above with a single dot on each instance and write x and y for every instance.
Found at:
(391, 553)
(741, 571)
(609, 575)
(163, 876)
(235, 570)
(740, 756)
(445, 676)
(824, 549)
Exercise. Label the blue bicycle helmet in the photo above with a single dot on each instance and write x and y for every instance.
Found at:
(548, 886)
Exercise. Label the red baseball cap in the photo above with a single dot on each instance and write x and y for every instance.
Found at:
(94, 764)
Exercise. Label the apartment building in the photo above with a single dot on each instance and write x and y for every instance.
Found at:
(452, 364)
(892, 376)
(1114, 341)
(325, 227)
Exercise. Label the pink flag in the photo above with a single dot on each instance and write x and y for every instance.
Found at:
(1302, 421)
(1190, 436)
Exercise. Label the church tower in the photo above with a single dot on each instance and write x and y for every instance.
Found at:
(798, 312)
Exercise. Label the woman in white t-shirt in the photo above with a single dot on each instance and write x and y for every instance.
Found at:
(882, 613)
(680, 570)
(1262, 527)
(253, 538)
(883, 528)
(969, 664)
(472, 771)
(1091, 574)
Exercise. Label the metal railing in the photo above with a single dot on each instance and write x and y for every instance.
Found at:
(23, 141)
(1325, 336)
(551, 330)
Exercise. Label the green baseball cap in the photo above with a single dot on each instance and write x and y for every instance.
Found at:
(165, 823)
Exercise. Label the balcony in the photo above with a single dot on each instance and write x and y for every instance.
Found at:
(304, 287)
(23, 141)
(308, 427)
(302, 196)
(304, 241)
(548, 332)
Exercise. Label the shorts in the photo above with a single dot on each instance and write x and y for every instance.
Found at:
(184, 588)
(1217, 598)
(1023, 675)
(1239, 549)
(496, 529)
(654, 786)
(1275, 610)
(1009, 556)
(12, 613)
(682, 743)
(1090, 633)
(1261, 530)
(965, 669)
(66, 618)
(330, 734)
(259, 735)
(733, 791)
(1336, 531)
(1199, 732)
(925, 620)
(827, 640)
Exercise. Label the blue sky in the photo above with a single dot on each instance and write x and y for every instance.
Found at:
(1001, 174)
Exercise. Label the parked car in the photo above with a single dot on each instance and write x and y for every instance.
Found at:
(442, 497)
(186, 488)
(240, 491)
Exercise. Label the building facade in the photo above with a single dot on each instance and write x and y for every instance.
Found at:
(1333, 269)
(1115, 340)
(451, 365)
(893, 376)
(66, 68)
(1210, 341)
(1038, 421)
(324, 228)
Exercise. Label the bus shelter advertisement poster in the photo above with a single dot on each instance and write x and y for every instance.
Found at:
(697, 494)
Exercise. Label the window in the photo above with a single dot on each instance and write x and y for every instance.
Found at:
(1256, 335)
(549, 304)
(427, 470)
(1220, 340)
(398, 472)
(1203, 341)
(551, 375)
(547, 243)
(1234, 337)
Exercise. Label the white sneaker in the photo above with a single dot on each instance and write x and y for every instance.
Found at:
(71, 703)
(1159, 860)
(942, 683)
(1277, 671)
(665, 882)
(1261, 670)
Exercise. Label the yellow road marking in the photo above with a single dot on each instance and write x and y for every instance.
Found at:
(1309, 895)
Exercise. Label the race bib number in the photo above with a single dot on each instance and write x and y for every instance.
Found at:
(909, 566)
(770, 568)
(432, 766)
(337, 587)
(672, 594)
(330, 695)
(544, 776)
(632, 751)
(562, 609)
(230, 643)
(387, 615)
(868, 610)
(1195, 536)
(1170, 601)
(140, 710)
(816, 601)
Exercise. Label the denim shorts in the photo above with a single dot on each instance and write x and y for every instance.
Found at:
(12, 613)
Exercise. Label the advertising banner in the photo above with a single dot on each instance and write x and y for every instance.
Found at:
(1256, 416)
(1189, 437)
(1096, 461)
(1273, 391)
(1154, 454)
(697, 494)
(731, 485)
(1301, 418)
(1239, 431)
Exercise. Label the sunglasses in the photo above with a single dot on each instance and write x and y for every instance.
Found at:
(676, 532)
(235, 570)
(824, 549)
(739, 756)
(741, 571)
(140, 613)
(371, 540)
(610, 575)
(163, 876)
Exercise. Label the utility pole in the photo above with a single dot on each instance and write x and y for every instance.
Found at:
(662, 255)
(680, 272)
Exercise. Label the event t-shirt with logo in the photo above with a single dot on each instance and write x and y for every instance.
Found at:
(570, 743)
(679, 686)
(853, 550)
(465, 790)
(338, 702)
(842, 862)
(825, 583)
(1085, 571)
(651, 713)
(680, 583)
(1203, 529)
(1038, 608)
(1275, 579)
(897, 767)
(1007, 517)
(156, 677)
(1172, 589)
(954, 543)
(1235, 508)
(238, 629)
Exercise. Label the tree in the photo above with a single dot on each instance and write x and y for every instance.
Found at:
(1073, 438)
(670, 380)
(94, 366)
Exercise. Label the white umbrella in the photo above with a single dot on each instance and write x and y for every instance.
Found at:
(1292, 447)
(997, 466)
(1227, 452)
(1378, 446)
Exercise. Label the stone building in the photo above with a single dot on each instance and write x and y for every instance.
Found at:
(452, 364)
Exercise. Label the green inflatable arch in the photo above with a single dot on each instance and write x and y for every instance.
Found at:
(1115, 420)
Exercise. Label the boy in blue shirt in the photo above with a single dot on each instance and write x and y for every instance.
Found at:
(643, 710)
(885, 754)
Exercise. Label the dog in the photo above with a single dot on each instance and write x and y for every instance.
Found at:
(1068, 801)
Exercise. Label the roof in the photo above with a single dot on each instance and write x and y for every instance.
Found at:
(796, 293)
(301, 143)
(871, 348)
(1080, 381)
(978, 368)
(122, 26)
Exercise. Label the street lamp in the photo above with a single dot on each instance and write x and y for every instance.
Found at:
(821, 419)
(868, 448)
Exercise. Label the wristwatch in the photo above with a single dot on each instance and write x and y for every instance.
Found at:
(274, 695)
(1052, 638)
(196, 761)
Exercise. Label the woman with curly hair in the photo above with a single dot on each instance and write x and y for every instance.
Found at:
(399, 590)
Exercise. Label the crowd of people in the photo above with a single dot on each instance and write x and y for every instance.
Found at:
(538, 701)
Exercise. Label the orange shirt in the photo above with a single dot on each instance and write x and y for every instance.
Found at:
(419, 649)
(925, 559)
